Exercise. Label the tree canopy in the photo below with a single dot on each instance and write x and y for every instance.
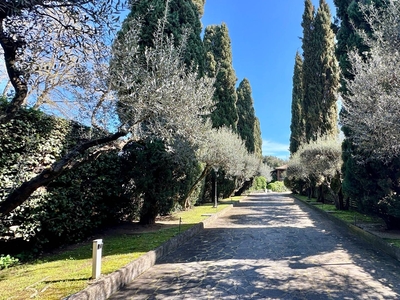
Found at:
(217, 44)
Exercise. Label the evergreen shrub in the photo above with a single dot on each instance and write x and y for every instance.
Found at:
(277, 186)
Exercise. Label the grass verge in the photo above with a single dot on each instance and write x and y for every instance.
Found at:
(349, 216)
(57, 276)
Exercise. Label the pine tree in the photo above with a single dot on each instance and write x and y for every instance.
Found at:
(217, 44)
(181, 15)
(297, 135)
(245, 108)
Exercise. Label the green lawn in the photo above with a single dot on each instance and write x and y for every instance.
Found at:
(349, 216)
(57, 276)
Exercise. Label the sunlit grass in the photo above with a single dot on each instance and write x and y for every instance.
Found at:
(349, 216)
(57, 276)
(393, 242)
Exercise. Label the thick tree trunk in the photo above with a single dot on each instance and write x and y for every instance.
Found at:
(246, 185)
(68, 162)
(149, 211)
(321, 197)
(206, 170)
(16, 76)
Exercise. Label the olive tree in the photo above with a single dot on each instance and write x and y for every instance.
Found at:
(142, 94)
(224, 149)
(371, 107)
(318, 164)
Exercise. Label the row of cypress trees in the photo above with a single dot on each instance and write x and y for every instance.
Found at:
(315, 79)
(320, 72)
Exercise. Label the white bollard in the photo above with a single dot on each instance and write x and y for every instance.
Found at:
(96, 258)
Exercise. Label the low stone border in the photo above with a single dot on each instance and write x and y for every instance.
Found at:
(375, 241)
(109, 284)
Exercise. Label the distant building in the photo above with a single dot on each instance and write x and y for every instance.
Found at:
(279, 173)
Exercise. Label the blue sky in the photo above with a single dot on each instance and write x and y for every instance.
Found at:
(265, 36)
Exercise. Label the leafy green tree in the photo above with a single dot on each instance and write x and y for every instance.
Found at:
(371, 116)
(363, 183)
(273, 161)
(297, 135)
(151, 171)
(161, 102)
(182, 16)
(217, 45)
(246, 123)
(321, 74)
(318, 164)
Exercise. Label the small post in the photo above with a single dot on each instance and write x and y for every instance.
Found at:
(180, 222)
(96, 258)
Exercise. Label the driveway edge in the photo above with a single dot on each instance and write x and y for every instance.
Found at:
(109, 284)
(375, 241)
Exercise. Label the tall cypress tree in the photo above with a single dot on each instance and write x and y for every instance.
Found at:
(181, 15)
(257, 138)
(297, 136)
(320, 73)
(328, 79)
(246, 121)
(309, 61)
(217, 44)
(349, 20)
(200, 6)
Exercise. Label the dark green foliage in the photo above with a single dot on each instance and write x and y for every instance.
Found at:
(297, 136)
(80, 202)
(72, 206)
(277, 186)
(373, 186)
(153, 175)
(320, 73)
(257, 138)
(181, 15)
(200, 6)
(245, 107)
(349, 19)
(259, 183)
(274, 161)
(217, 45)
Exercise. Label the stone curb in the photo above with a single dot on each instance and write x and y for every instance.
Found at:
(109, 284)
(375, 241)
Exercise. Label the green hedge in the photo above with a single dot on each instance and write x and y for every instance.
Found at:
(277, 186)
(72, 206)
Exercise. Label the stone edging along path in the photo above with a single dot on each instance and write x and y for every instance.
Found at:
(109, 284)
(375, 241)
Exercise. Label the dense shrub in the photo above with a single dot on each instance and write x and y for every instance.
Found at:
(277, 186)
(154, 176)
(259, 183)
(70, 207)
